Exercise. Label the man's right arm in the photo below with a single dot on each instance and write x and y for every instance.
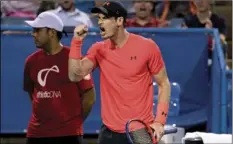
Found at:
(28, 84)
(30, 96)
(79, 67)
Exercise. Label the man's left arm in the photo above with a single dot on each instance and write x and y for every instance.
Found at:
(158, 71)
(164, 88)
(88, 97)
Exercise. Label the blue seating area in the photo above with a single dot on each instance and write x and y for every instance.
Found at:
(194, 99)
(186, 120)
(174, 100)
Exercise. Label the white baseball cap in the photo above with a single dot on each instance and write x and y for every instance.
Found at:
(47, 19)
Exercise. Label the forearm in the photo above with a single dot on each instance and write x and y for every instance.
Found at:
(165, 11)
(164, 92)
(222, 38)
(78, 67)
(163, 102)
(76, 72)
(88, 100)
(75, 67)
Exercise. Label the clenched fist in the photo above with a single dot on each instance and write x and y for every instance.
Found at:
(80, 31)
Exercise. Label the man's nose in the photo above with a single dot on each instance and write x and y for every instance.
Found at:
(100, 22)
(34, 34)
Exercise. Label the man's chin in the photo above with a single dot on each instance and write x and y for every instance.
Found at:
(38, 46)
(142, 16)
(104, 37)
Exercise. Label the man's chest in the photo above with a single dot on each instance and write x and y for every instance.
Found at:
(49, 74)
(73, 19)
(124, 63)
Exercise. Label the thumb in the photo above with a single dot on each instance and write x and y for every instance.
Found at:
(158, 136)
(85, 29)
(153, 130)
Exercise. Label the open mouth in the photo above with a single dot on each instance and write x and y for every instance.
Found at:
(142, 9)
(102, 31)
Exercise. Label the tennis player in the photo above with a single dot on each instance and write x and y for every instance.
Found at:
(127, 63)
(59, 106)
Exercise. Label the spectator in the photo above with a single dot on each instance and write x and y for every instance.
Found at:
(15, 12)
(25, 9)
(176, 9)
(45, 6)
(70, 15)
(144, 11)
(203, 17)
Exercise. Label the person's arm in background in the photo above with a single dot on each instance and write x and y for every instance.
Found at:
(88, 96)
(158, 70)
(78, 68)
(221, 25)
(98, 3)
(165, 10)
(28, 84)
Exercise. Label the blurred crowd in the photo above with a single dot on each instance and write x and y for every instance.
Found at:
(141, 13)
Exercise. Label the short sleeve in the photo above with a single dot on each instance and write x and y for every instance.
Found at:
(28, 84)
(86, 84)
(92, 54)
(155, 60)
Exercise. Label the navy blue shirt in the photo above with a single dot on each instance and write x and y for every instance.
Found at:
(218, 22)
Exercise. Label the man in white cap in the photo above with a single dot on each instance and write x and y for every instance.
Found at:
(59, 106)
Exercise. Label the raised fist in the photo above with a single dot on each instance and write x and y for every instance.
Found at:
(80, 31)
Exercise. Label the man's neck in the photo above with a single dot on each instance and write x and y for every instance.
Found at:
(120, 38)
(72, 9)
(53, 48)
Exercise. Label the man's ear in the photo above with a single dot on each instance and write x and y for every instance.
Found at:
(120, 21)
(52, 33)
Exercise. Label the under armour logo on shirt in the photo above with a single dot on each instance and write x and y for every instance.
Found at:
(163, 113)
(133, 57)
